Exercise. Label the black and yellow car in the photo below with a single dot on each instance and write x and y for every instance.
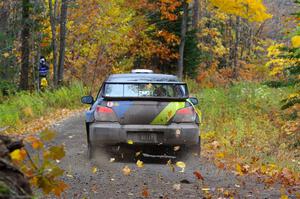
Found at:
(142, 108)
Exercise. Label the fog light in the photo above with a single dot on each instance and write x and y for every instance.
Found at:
(177, 133)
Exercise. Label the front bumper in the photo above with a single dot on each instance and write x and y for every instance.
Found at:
(173, 134)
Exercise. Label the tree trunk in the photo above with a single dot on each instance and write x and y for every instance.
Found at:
(63, 31)
(25, 45)
(182, 39)
(236, 47)
(52, 14)
(195, 14)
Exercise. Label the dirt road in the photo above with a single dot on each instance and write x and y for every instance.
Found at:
(155, 179)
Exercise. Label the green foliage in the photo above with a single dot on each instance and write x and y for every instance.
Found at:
(25, 106)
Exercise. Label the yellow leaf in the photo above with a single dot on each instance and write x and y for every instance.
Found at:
(129, 142)
(176, 148)
(296, 41)
(140, 164)
(181, 165)
(94, 169)
(18, 154)
(126, 170)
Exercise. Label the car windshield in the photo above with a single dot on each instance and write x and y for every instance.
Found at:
(145, 90)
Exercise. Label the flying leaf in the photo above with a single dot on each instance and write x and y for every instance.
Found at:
(126, 170)
(176, 148)
(129, 142)
(169, 163)
(140, 164)
(198, 175)
(181, 165)
(138, 153)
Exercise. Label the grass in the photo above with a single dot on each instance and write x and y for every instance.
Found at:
(25, 106)
(245, 120)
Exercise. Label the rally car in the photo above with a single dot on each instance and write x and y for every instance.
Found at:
(142, 108)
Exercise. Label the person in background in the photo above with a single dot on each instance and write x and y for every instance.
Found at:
(43, 72)
(43, 67)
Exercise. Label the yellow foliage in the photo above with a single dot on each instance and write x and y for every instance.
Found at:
(253, 10)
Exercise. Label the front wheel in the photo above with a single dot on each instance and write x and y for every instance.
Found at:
(90, 151)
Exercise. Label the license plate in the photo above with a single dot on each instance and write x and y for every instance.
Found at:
(143, 137)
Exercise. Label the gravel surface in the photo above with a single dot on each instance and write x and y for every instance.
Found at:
(100, 178)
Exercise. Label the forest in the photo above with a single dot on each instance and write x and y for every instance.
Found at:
(241, 58)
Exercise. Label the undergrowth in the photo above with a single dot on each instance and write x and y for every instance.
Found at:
(25, 106)
(244, 121)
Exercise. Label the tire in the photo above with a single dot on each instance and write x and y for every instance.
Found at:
(196, 149)
(90, 151)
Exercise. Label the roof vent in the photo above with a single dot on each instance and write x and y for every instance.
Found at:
(142, 71)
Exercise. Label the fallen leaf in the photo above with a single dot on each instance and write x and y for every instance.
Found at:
(94, 188)
(145, 192)
(177, 187)
(70, 176)
(94, 169)
(140, 164)
(205, 189)
(126, 170)
(239, 169)
(198, 175)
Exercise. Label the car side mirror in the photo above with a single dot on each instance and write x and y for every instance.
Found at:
(87, 100)
(194, 101)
